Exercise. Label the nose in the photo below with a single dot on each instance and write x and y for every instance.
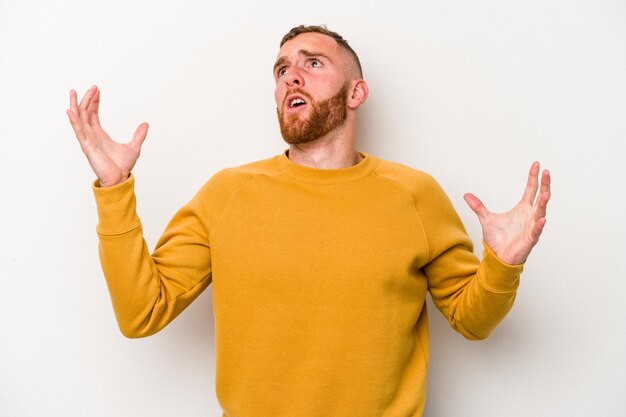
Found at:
(294, 78)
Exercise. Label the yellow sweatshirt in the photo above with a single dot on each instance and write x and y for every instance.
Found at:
(319, 282)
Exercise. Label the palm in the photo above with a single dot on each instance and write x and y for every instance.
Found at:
(513, 234)
(111, 161)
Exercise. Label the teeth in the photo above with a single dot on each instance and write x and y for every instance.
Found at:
(296, 101)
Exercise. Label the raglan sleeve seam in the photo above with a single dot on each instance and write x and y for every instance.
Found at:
(228, 204)
(415, 210)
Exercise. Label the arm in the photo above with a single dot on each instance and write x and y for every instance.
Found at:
(474, 296)
(147, 291)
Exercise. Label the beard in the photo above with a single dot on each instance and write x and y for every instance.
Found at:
(325, 117)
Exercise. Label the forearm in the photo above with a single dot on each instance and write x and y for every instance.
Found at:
(147, 293)
(479, 302)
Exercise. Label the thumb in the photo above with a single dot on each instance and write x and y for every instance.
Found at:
(139, 136)
(476, 205)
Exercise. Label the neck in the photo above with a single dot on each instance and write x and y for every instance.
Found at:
(333, 151)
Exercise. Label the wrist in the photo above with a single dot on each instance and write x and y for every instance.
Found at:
(105, 183)
(506, 256)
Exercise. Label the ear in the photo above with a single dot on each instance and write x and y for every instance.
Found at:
(357, 94)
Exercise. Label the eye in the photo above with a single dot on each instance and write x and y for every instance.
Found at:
(316, 63)
(281, 71)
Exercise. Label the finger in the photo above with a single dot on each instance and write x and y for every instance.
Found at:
(537, 229)
(73, 105)
(73, 102)
(532, 185)
(139, 136)
(87, 97)
(76, 125)
(93, 108)
(544, 195)
(546, 181)
(72, 113)
(542, 204)
(476, 205)
(84, 104)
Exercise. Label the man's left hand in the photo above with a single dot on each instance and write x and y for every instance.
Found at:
(513, 234)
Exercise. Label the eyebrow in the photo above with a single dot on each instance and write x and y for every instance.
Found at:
(280, 62)
(304, 52)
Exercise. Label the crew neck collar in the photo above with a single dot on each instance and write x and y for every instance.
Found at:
(326, 176)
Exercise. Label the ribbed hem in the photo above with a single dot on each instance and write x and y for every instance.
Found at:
(326, 176)
(500, 277)
(116, 207)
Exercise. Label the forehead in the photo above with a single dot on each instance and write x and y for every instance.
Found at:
(310, 42)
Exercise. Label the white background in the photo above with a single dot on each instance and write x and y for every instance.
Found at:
(471, 92)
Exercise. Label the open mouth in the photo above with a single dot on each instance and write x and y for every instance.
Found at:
(294, 102)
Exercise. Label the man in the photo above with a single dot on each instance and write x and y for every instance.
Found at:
(320, 258)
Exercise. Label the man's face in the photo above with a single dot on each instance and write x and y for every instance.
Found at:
(311, 87)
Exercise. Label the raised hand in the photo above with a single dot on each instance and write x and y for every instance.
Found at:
(111, 161)
(513, 234)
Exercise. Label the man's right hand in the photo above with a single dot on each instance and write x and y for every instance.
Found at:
(111, 161)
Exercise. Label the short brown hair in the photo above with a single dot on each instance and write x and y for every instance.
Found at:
(298, 30)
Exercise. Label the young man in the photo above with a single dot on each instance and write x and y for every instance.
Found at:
(320, 258)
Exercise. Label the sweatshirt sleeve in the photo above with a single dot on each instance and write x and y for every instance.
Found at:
(149, 291)
(473, 296)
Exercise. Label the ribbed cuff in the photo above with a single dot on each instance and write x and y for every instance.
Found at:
(116, 207)
(499, 276)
